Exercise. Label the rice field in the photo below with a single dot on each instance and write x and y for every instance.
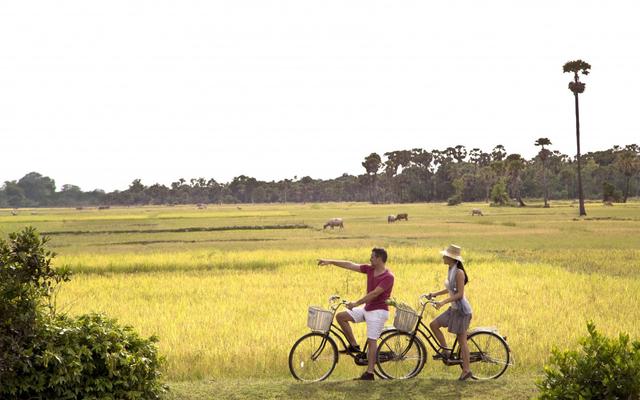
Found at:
(226, 289)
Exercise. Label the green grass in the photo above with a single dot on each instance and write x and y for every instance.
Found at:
(443, 388)
(228, 303)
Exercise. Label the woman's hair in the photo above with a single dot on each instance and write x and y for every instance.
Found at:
(460, 266)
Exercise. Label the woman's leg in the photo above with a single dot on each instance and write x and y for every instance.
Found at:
(464, 352)
(435, 328)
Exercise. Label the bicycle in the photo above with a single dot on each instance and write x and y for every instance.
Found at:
(402, 354)
(314, 356)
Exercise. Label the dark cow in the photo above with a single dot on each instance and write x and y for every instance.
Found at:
(403, 216)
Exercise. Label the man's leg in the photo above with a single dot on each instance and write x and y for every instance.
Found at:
(372, 354)
(343, 319)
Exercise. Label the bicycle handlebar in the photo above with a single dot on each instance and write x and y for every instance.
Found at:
(335, 301)
(425, 299)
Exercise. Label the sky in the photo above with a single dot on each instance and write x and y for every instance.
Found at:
(97, 94)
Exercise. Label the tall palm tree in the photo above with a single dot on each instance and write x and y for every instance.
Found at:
(577, 87)
(544, 154)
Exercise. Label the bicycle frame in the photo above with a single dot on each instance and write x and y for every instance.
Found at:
(428, 335)
(336, 332)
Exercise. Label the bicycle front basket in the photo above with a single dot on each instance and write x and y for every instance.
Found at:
(405, 319)
(319, 319)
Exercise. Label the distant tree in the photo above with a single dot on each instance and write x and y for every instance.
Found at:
(37, 188)
(515, 164)
(499, 194)
(372, 164)
(576, 88)
(14, 194)
(459, 153)
(499, 153)
(628, 163)
(544, 155)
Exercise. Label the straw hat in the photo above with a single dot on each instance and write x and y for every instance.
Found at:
(453, 251)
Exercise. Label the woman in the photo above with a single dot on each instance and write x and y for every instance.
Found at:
(458, 316)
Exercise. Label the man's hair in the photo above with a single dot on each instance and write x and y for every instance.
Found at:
(380, 253)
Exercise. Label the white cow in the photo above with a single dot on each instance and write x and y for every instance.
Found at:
(334, 222)
(391, 218)
(476, 211)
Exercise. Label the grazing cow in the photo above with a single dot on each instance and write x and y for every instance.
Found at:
(14, 212)
(104, 207)
(201, 206)
(333, 222)
(608, 203)
(391, 218)
(403, 216)
(79, 208)
(476, 211)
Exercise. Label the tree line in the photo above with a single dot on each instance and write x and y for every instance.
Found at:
(454, 174)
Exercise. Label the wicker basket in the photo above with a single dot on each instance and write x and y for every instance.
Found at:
(319, 319)
(405, 319)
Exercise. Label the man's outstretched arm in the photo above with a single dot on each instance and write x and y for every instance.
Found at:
(340, 263)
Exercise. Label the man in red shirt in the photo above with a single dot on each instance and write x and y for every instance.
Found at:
(375, 311)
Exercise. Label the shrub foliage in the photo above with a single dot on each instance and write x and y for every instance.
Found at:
(49, 356)
(604, 368)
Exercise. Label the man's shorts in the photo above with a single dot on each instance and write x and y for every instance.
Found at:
(375, 320)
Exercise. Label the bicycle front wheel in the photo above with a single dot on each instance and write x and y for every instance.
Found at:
(313, 357)
(400, 356)
(489, 355)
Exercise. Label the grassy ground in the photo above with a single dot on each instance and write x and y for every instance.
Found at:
(228, 303)
(510, 387)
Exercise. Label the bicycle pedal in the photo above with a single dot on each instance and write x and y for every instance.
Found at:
(361, 359)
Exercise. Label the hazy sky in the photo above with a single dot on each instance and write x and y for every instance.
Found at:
(99, 93)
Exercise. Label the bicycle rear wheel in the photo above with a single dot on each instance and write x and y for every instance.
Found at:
(313, 357)
(400, 356)
(489, 355)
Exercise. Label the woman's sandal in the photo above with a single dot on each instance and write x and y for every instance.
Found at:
(444, 355)
(465, 376)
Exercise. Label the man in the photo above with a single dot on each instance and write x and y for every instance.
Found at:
(375, 311)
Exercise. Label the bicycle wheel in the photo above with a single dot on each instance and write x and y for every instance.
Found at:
(400, 356)
(313, 357)
(489, 355)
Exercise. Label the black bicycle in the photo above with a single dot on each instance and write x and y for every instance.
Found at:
(314, 356)
(402, 354)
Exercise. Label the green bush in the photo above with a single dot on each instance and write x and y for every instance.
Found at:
(454, 200)
(499, 194)
(49, 356)
(603, 369)
(89, 357)
(610, 193)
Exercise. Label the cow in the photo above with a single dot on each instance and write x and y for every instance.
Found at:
(201, 206)
(333, 222)
(104, 207)
(391, 218)
(14, 212)
(476, 211)
(403, 216)
(608, 203)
